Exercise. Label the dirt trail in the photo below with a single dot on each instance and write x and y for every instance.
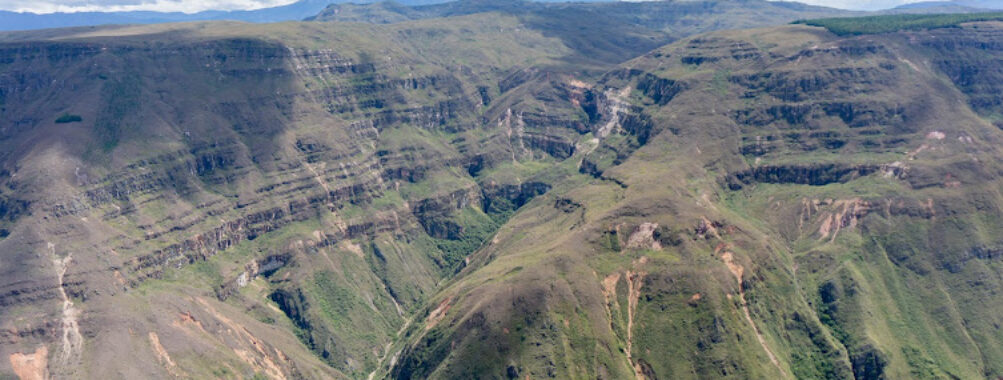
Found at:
(316, 175)
(73, 341)
(162, 355)
(609, 292)
(386, 350)
(31, 366)
(737, 270)
(634, 282)
(260, 359)
(436, 315)
(519, 131)
(845, 214)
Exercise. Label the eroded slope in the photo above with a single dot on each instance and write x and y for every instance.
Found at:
(206, 201)
(778, 203)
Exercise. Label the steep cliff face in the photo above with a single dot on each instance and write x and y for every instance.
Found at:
(776, 203)
(222, 206)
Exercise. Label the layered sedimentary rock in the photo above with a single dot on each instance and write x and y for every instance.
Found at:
(482, 198)
(322, 190)
(777, 203)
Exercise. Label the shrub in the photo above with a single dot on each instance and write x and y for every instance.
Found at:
(67, 118)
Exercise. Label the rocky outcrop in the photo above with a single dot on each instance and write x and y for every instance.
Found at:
(660, 90)
(499, 199)
(259, 267)
(968, 57)
(704, 50)
(801, 85)
(813, 175)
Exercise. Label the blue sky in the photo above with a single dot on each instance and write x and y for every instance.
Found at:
(191, 6)
(187, 6)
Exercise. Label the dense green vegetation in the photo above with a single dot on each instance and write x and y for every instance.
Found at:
(844, 26)
(68, 118)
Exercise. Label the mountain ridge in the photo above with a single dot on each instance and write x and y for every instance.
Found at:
(10, 21)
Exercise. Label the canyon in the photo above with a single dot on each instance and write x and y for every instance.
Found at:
(472, 190)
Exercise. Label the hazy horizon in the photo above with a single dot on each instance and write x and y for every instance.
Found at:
(195, 6)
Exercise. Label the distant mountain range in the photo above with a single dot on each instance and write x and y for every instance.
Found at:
(305, 9)
(977, 4)
(295, 11)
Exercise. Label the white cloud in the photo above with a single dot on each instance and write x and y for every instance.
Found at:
(186, 6)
